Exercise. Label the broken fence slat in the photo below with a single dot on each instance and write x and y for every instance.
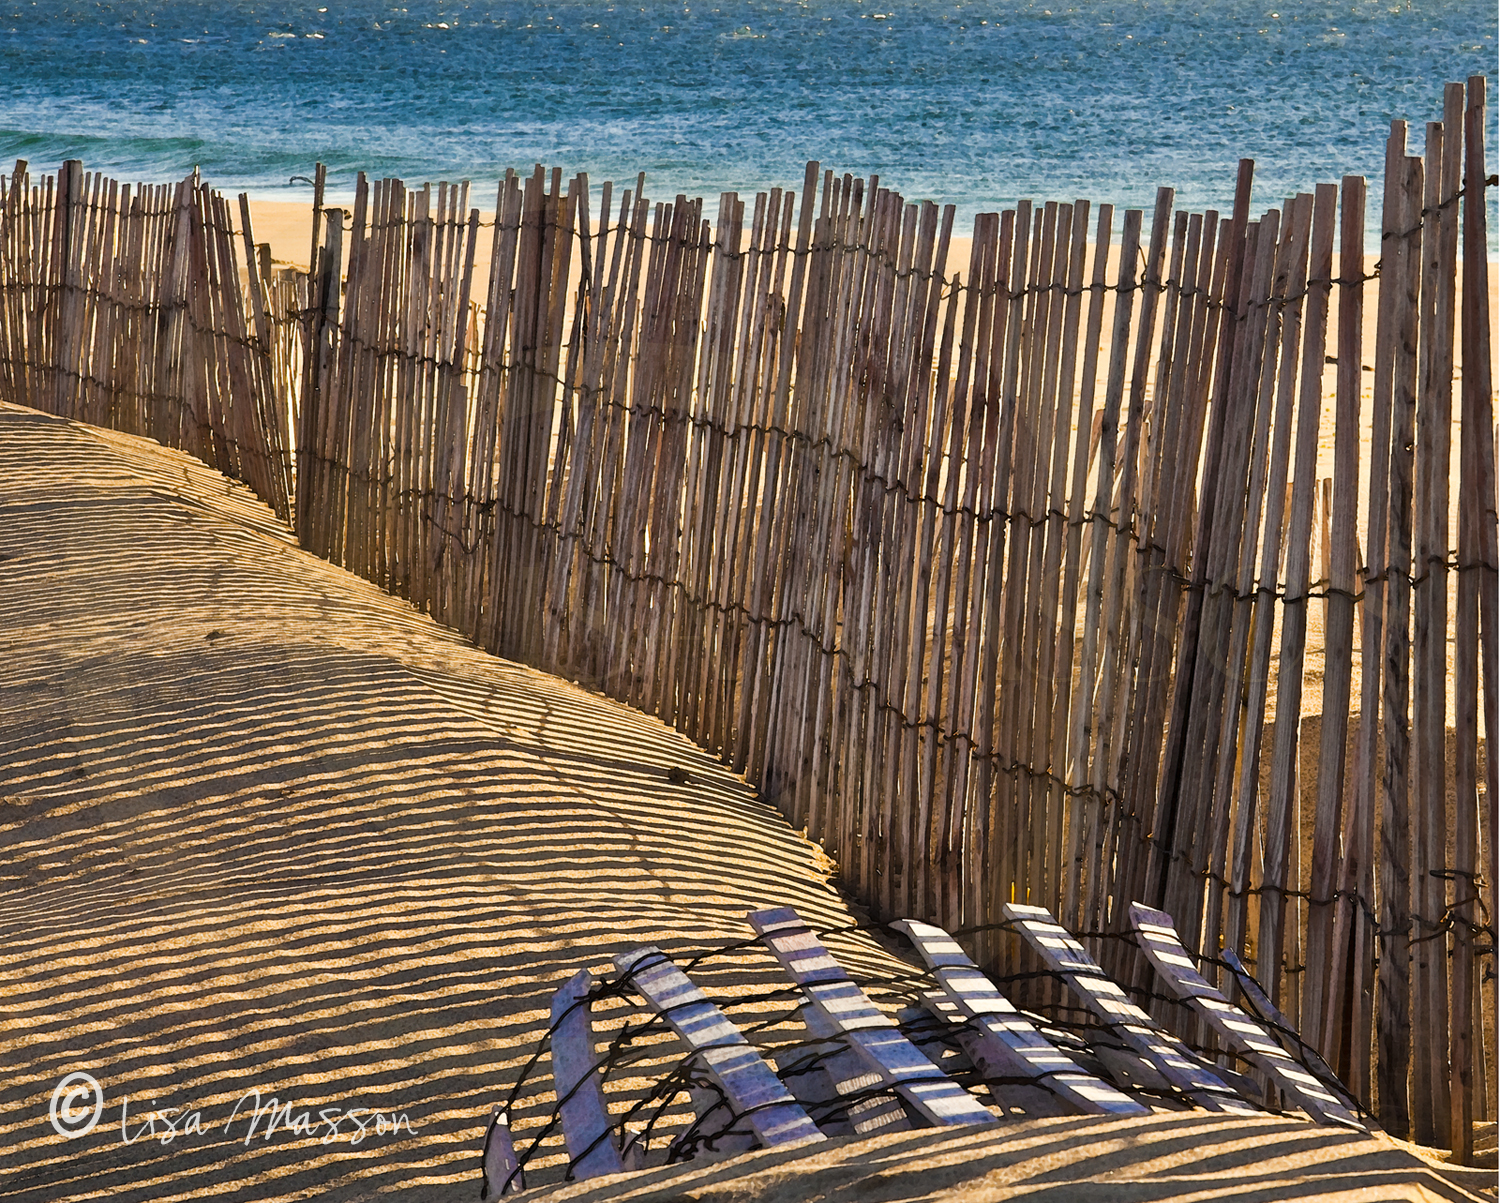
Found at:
(1168, 1055)
(888, 1056)
(1157, 935)
(749, 1084)
(1003, 1043)
(502, 1172)
(585, 1118)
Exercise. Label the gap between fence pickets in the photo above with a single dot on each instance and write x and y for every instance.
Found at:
(751, 1089)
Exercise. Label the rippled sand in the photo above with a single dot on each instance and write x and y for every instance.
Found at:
(262, 825)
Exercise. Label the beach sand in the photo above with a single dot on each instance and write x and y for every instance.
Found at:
(266, 827)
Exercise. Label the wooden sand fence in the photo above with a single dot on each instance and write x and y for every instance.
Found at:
(1013, 580)
(123, 307)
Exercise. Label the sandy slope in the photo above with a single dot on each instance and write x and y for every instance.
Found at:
(1181, 1158)
(262, 826)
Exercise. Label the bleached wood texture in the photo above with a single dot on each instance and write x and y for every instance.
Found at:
(888, 1058)
(585, 1118)
(1001, 1041)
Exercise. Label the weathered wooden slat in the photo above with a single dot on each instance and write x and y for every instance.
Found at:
(1164, 1052)
(585, 1118)
(1476, 599)
(1003, 1042)
(1278, 913)
(887, 1054)
(752, 1089)
(1331, 913)
(1158, 940)
(1010, 844)
(1120, 639)
(1432, 778)
(1229, 608)
(502, 1172)
(1176, 818)
(825, 1074)
(1073, 768)
(1084, 721)
(1281, 1026)
(1400, 277)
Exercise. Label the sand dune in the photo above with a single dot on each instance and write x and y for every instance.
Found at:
(1181, 1157)
(265, 827)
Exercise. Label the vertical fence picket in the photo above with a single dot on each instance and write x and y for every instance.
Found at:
(1474, 658)
(1332, 917)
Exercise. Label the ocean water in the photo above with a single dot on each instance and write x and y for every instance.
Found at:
(975, 103)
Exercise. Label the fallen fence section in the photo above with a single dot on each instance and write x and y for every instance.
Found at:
(1001, 573)
(746, 1086)
(927, 1070)
(888, 1058)
(1164, 1053)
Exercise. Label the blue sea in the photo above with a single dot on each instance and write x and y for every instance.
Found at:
(976, 103)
